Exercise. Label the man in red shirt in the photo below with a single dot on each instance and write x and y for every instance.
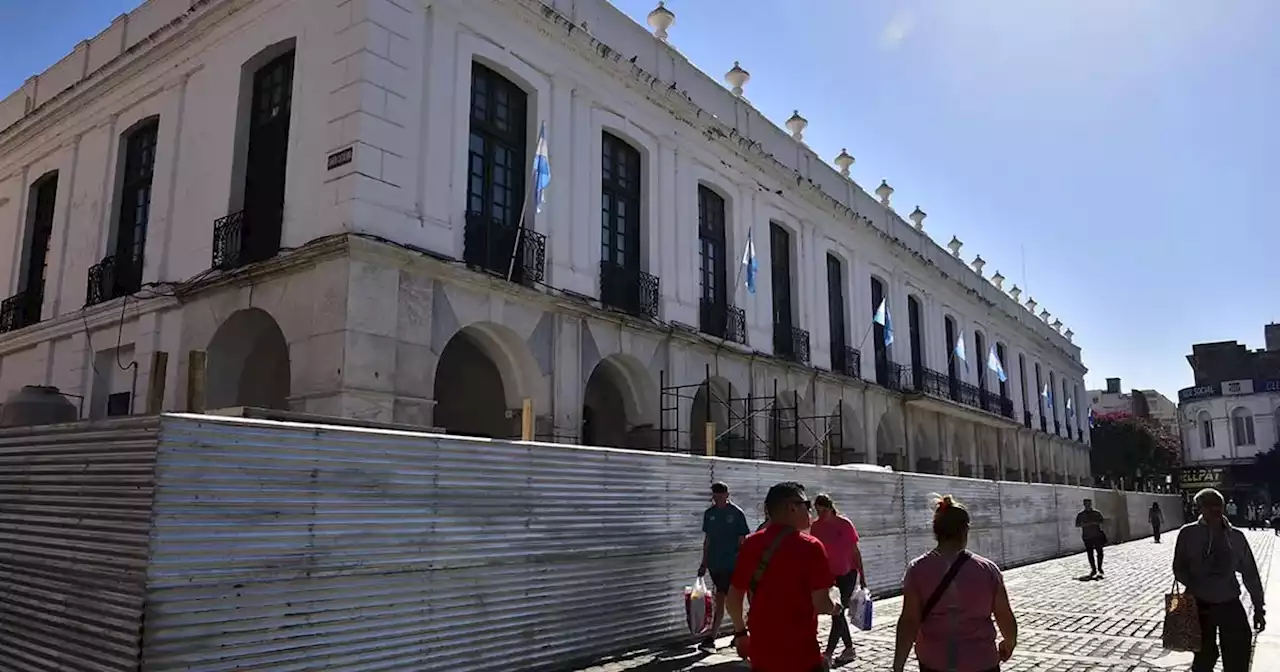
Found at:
(786, 573)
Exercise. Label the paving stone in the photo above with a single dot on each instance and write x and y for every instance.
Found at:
(1065, 624)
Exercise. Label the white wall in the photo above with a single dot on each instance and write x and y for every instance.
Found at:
(1263, 407)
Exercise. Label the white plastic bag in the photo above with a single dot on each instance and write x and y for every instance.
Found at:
(698, 606)
(860, 609)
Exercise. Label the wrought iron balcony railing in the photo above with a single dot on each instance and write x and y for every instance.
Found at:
(20, 310)
(112, 278)
(846, 361)
(515, 253)
(944, 386)
(629, 289)
(722, 321)
(791, 343)
(895, 376)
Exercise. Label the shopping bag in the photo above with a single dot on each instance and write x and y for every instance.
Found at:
(860, 609)
(698, 606)
(1181, 621)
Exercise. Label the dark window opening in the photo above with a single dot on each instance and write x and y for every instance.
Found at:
(623, 284)
(881, 350)
(917, 342)
(118, 404)
(24, 308)
(267, 161)
(711, 263)
(835, 312)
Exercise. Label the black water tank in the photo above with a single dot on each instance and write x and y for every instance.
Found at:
(37, 405)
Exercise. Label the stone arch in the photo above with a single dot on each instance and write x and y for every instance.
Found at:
(248, 362)
(928, 455)
(891, 443)
(618, 405)
(482, 377)
(712, 403)
(851, 448)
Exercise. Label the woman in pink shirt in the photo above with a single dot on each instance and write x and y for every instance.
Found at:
(949, 597)
(839, 537)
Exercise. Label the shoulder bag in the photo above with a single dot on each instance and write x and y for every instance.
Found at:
(946, 583)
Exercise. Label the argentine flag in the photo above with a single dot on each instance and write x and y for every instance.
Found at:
(1048, 398)
(1071, 412)
(541, 168)
(959, 351)
(749, 262)
(882, 318)
(993, 363)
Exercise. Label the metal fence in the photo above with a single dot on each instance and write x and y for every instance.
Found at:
(292, 546)
(75, 515)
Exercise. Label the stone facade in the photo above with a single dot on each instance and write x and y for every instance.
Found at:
(372, 304)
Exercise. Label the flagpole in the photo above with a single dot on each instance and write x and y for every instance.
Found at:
(515, 246)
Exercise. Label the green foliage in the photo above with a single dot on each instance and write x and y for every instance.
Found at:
(1133, 448)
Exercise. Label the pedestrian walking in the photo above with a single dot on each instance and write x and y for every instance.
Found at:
(840, 538)
(949, 597)
(1156, 516)
(1251, 516)
(1208, 554)
(786, 573)
(1095, 538)
(724, 527)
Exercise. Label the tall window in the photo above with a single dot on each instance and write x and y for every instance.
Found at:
(835, 314)
(1004, 384)
(1022, 379)
(496, 150)
(980, 352)
(1040, 405)
(1242, 426)
(620, 203)
(917, 342)
(267, 160)
(1206, 428)
(881, 351)
(780, 266)
(1053, 403)
(27, 306)
(953, 371)
(711, 260)
(135, 205)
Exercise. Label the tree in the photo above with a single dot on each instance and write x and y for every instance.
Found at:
(1268, 465)
(1132, 449)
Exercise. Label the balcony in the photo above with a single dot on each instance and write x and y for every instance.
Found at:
(514, 253)
(791, 343)
(846, 361)
(20, 310)
(1026, 418)
(629, 290)
(893, 376)
(722, 321)
(112, 278)
(944, 386)
(236, 244)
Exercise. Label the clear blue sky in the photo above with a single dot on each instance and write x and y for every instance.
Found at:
(1129, 147)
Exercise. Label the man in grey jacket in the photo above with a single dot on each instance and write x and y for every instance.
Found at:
(1208, 554)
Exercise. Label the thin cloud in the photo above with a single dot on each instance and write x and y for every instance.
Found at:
(897, 30)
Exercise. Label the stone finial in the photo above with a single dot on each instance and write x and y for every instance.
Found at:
(955, 246)
(1069, 334)
(885, 192)
(660, 19)
(917, 217)
(844, 161)
(737, 78)
(998, 280)
(1031, 305)
(1057, 325)
(1044, 315)
(977, 264)
(1015, 293)
(796, 124)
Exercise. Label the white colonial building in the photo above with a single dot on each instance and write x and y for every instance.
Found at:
(1229, 422)
(317, 205)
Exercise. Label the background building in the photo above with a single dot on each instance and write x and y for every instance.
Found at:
(1112, 402)
(328, 202)
(1232, 413)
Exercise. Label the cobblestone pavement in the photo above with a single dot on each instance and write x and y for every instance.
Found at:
(1065, 624)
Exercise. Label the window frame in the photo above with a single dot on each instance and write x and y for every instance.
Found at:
(620, 223)
(486, 125)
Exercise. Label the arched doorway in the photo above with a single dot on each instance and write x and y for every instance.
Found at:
(891, 445)
(248, 363)
(471, 395)
(851, 446)
(711, 403)
(615, 407)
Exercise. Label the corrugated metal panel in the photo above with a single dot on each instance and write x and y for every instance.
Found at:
(1030, 523)
(75, 509)
(297, 547)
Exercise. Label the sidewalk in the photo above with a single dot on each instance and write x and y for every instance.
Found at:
(1065, 624)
